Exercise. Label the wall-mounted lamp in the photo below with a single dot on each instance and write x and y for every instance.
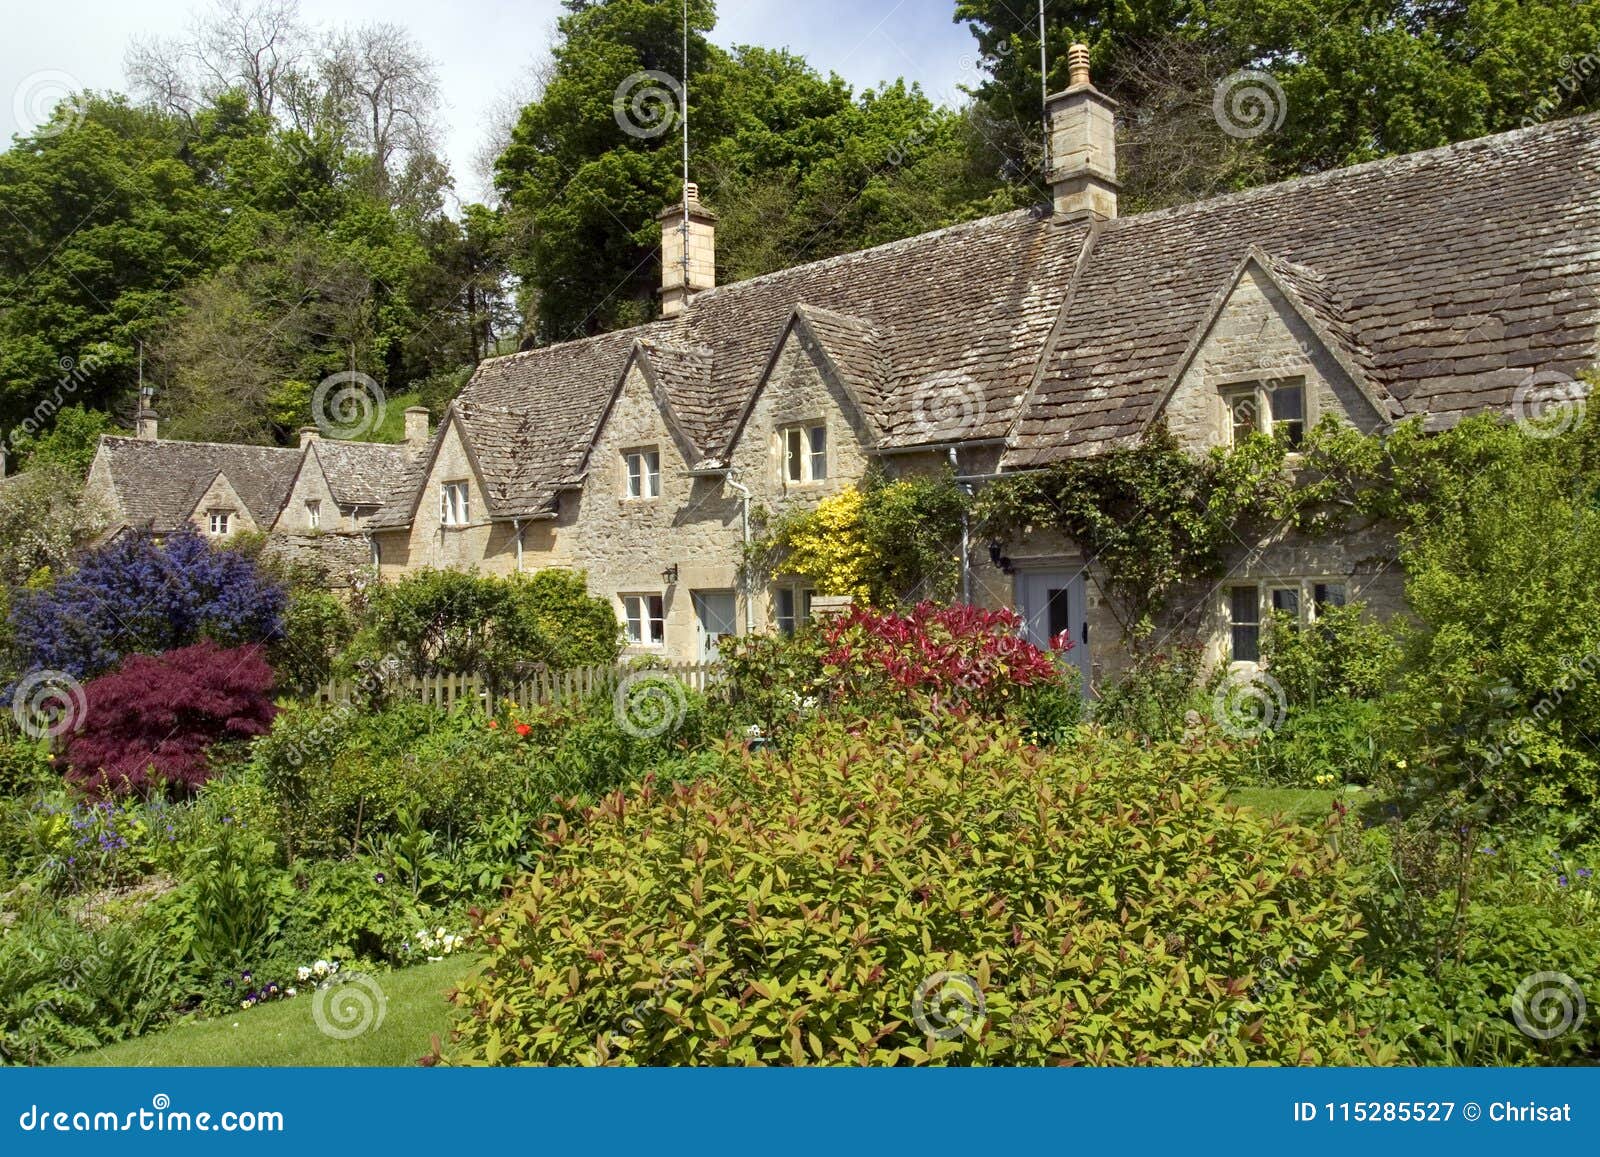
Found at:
(670, 575)
(998, 558)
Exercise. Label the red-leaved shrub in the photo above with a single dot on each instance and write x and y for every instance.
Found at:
(152, 722)
(958, 655)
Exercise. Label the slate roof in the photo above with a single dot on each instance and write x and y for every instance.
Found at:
(1441, 278)
(362, 473)
(157, 483)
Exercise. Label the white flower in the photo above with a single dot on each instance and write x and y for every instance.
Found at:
(290, 992)
(302, 974)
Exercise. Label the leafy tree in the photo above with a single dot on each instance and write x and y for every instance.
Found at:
(43, 518)
(139, 594)
(69, 445)
(801, 166)
(1358, 80)
(442, 621)
(151, 725)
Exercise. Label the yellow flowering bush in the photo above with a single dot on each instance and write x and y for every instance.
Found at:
(829, 546)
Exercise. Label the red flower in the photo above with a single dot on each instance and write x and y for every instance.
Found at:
(494, 725)
(524, 730)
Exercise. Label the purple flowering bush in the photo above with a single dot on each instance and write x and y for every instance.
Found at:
(142, 595)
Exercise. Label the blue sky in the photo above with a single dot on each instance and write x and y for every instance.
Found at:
(484, 47)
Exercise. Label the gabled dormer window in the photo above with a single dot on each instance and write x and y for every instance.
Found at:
(805, 454)
(314, 515)
(644, 473)
(219, 522)
(453, 504)
(1276, 408)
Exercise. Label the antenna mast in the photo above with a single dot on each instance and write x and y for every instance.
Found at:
(1044, 89)
(684, 116)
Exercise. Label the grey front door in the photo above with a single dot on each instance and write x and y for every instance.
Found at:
(716, 615)
(1054, 603)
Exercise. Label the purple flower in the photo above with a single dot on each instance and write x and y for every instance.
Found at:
(379, 878)
(1561, 881)
(1487, 851)
(1584, 873)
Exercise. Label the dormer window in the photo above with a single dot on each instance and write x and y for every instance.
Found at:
(1277, 409)
(453, 504)
(219, 522)
(314, 515)
(644, 473)
(805, 454)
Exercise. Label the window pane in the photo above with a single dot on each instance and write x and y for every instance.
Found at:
(1059, 613)
(1247, 644)
(1329, 594)
(1242, 408)
(1289, 414)
(805, 606)
(653, 475)
(658, 619)
(783, 605)
(1286, 601)
(635, 476)
(632, 610)
(1244, 613)
(819, 453)
(1244, 605)
(793, 447)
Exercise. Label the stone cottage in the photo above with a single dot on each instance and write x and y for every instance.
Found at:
(1438, 284)
(310, 501)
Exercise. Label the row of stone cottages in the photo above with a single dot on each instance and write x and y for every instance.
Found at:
(1433, 284)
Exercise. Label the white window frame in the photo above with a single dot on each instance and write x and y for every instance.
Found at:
(804, 450)
(1261, 394)
(455, 503)
(1311, 593)
(314, 514)
(644, 619)
(219, 523)
(641, 471)
(791, 607)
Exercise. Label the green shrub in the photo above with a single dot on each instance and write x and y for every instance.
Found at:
(1460, 934)
(1100, 905)
(65, 987)
(24, 764)
(1343, 655)
(1337, 742)
(317, 626)
(1151, 698)
(444, 621)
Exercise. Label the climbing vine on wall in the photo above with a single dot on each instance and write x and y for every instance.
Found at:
(1153, 516)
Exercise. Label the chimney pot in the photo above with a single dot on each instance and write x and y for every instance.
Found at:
(146, 426)
(417, 431)
(1078, 65)
(308, 435)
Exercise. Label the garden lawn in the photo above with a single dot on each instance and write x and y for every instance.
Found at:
(285, 1034)
(1304, 804)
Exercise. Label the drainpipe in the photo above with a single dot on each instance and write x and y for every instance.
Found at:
(516, 524)
(744, 521)
(966, 532)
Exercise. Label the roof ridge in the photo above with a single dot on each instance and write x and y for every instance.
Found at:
(217, 445)
(1328, 176)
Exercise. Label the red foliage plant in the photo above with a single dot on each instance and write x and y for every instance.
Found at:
(955, 655)
(151, 724)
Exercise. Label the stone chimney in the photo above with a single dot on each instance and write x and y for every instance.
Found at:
(145, 422)
(1083, 144)
(308, 435)
(681, 280)
(417, 432)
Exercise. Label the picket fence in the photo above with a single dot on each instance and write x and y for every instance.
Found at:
(544, 687)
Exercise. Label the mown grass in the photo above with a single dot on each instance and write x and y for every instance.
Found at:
(1305, 805)
(286, 1033)
(393, 426)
